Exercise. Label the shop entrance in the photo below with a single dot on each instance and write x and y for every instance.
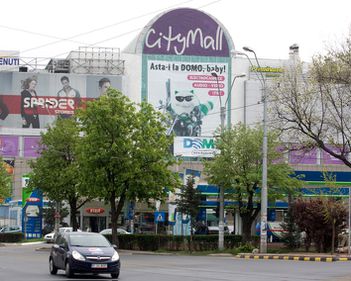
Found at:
(94, 224)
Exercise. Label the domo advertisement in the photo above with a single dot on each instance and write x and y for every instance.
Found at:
(186, 75)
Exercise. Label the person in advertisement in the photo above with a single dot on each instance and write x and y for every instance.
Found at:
(104, 84)
(70, 93)
(67, 91)
(29, 110)
(186, 111)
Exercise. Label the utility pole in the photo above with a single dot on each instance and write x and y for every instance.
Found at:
(264, 188)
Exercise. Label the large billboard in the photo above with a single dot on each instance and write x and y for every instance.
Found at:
(189, 93)
(33, 100)
(186, 70)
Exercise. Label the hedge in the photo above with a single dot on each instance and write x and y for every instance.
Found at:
(11, 237)
(150, 242)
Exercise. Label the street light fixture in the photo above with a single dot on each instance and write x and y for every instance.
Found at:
(221, 189)
(264, 189)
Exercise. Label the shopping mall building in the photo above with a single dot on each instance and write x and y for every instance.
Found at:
(184, 63)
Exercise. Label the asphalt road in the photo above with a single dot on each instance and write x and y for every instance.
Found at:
(24, 263)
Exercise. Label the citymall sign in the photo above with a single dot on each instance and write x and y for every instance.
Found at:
(195, 147)
(186, 70)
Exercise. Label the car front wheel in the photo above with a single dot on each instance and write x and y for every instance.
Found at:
(69, 272)
(52, 267)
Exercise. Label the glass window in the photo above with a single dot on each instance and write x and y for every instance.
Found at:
(89, 240)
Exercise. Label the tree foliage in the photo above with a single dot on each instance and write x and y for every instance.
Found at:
(124, 153)
(312, 106)
(238, 169)
(188, 203)
(321, 218)
(49, 216)
(5, 181)
(56, 172)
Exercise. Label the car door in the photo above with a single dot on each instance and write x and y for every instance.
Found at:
(60, 249)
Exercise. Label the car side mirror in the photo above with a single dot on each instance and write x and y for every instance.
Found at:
(114, 246)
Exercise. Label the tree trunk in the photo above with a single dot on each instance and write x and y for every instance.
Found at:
(73, 213)
(247, 223)
(333, 238)
(114, 218)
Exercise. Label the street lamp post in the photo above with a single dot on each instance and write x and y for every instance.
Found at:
(264, 189)
(221, 188)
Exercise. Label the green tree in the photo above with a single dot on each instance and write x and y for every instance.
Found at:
(56, 172)
(238, 169)
(188, 203)
(5, 181)
(49, 216)
(125, 153)
(312, 105)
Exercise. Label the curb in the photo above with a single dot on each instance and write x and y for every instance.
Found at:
(295, 258)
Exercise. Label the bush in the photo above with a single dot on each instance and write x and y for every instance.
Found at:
(152, 242)
(11, 237)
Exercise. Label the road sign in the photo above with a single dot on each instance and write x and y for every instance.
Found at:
(160, 217)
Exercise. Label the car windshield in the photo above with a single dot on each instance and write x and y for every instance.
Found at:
(89, 241)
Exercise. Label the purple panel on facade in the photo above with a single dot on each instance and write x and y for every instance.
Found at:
(186, 32)
(328, 159)
(31, 147)
(303, 156)
(9, 146)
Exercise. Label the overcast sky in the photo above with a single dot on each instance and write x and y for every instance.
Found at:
(46, 28)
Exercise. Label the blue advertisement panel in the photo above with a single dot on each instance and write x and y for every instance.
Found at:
(32, 209)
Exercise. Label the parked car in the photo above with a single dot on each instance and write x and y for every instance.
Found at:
(215, 230)
(108, 231)
(50, 237)
(8, 229)
(83, 252)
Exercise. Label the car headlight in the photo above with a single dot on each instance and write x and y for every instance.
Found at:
(115, 256)
(77, 256)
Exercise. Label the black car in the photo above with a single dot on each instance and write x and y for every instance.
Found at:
(84, 252)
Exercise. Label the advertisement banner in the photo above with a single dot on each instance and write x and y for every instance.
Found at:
(9, 146)
(195, 147)
(31, 147)
(32, 203)
(189, 93)
(303, 156)
(329, 159)
(34, 101)
(186, 70)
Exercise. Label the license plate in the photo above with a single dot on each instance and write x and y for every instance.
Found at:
(99, 265)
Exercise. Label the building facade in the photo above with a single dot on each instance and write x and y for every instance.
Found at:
(185, 64)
